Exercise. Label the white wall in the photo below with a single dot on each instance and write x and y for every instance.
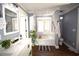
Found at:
(22, 17)
(23, 25)
(32, 22)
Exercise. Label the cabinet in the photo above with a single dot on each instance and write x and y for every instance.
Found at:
(19, 48)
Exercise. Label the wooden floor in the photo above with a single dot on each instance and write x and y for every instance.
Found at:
(51, 51)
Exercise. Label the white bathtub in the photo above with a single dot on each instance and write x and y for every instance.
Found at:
(49, 41)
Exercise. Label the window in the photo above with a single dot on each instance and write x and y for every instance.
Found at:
(44, 24)
(40, 26)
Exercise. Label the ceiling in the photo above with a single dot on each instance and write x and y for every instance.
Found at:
(35, 7)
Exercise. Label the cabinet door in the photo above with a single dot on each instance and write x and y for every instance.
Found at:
(70, 27)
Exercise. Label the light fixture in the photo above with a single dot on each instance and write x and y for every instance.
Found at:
(61, 18)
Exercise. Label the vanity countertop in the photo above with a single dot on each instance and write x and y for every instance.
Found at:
(14, 49)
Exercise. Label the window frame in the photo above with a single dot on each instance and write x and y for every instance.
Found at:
(41, 19)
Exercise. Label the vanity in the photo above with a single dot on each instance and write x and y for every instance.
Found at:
(10, 29)
(20, 48)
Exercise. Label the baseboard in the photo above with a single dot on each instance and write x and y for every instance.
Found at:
(71, 48)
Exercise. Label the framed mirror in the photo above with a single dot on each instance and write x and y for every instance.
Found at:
(1, 11)
(11, 21)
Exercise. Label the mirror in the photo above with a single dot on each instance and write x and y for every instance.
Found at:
(0, 10)
(11, 21)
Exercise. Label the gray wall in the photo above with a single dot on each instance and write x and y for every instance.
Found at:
(69, 23)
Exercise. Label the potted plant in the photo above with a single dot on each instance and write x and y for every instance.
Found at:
(6, 43)
(33, 36)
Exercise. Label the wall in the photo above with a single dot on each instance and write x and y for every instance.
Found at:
(77, 41)
(32, 22)
(22, 26)
(69, 27)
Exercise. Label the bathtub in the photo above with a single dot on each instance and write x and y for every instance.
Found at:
(51, 40)
(48, 41)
